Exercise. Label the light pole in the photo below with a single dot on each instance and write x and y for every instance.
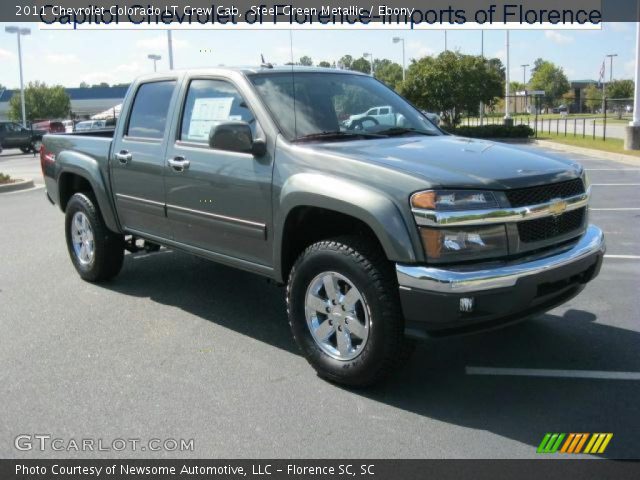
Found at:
(482, 55)
(20, 31)
(155, 59)
(170, 46)
(632, 134)
(524, 84)
(610, 56)
(445, 41)
(370, 55)
(397, 40)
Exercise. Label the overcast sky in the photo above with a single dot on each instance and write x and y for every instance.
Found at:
(70, 57)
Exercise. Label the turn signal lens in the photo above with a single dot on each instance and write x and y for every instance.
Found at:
(447, 200)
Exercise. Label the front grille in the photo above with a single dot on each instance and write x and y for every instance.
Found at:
(549, 227)
(544, 193)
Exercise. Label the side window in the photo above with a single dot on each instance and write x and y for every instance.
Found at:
(384, 111)
(372, 111)
(148, 117)
(208, 103)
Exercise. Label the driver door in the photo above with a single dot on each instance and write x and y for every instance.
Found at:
(217, 200)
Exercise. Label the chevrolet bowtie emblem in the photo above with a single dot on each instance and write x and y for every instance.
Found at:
(557, 207)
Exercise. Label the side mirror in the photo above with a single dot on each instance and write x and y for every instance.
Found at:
(236, 136)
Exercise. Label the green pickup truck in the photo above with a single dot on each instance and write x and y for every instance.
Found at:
(382, 231)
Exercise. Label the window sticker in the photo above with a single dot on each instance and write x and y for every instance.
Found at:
(207, 113)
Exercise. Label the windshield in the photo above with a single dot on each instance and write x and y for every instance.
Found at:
(337, 106)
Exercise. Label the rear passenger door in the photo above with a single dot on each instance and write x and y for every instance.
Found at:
(138, 159)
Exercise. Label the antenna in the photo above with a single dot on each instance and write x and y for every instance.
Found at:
(264, 63)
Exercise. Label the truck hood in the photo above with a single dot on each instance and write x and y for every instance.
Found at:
(456, 162)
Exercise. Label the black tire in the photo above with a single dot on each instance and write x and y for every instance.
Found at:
(25, 149)
(365, 265)
(108, 246)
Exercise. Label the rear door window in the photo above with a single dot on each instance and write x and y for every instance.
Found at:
(148, 117)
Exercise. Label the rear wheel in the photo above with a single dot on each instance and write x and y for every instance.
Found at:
(344, 311)
(25, 149)
(96, 252)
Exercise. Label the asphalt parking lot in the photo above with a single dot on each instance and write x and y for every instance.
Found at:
(179, 348)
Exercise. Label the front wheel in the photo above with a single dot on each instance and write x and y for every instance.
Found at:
(344, 311)
(96, 252)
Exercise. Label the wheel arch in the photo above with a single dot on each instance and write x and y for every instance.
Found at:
(346, 207)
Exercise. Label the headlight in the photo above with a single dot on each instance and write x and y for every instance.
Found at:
(585, 180)
(447, 200)
(444, 245)
(451, 244)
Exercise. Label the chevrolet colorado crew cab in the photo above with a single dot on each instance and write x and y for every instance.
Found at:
(381, 233)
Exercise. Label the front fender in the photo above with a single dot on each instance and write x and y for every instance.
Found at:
(366, 204)
(70, 162)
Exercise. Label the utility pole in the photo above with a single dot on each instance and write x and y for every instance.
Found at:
(445, 41)
(632, 134)
(524, 85)
(507, 117)
(155, 59)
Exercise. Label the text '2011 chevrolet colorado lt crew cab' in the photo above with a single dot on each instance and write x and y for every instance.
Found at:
(382, 231)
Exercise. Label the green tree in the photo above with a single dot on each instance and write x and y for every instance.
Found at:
(620, 89)
(345, 62)
(41, 102)
(593, 97)
(452, 83)
(361, 65)
(84, 85)
(324, 64)
(306, 61)
(388, 72)
(100, 85)
(550, 78)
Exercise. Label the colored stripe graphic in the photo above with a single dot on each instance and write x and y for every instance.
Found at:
(598, 443)
(550, 443)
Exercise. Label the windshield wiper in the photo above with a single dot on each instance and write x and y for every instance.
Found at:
(335, 135)
(393, 131)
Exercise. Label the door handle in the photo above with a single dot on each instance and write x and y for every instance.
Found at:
(179, 164)
(123, 157)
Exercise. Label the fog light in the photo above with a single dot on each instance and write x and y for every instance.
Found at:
(466, 304)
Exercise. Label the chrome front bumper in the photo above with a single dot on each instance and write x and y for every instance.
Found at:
(493, 276)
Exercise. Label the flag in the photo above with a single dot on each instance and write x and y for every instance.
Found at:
(602, 71)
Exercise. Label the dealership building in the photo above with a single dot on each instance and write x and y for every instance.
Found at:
(85, 102)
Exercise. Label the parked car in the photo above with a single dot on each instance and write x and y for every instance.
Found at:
(381, 234)
(380, 115)
(49, 126)
(90, 125)
(14, 135)
(68, 125)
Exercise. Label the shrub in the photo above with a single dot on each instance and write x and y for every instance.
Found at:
(4, 178)
(493, 131)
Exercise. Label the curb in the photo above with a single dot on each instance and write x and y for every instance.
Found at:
(17, 185)
(589, 152)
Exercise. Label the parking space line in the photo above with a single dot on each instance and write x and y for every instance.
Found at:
(624, 257)
(538, 372)
(621, 209)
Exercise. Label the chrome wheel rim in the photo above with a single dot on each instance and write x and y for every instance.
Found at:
(82, 238)
(337, 316)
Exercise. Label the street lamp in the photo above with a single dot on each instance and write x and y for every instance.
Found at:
(155, 59)
(445, 41)
(170, 47)
(610, 56)
(398, 40)
(20, 31)
(370, 55)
